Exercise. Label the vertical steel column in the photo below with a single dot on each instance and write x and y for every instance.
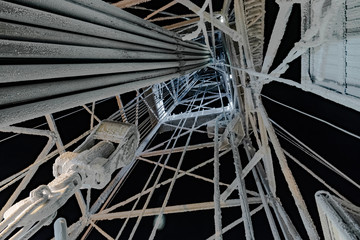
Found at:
(59, 47)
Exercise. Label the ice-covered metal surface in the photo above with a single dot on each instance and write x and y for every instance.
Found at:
(333, 61)
(65, 46)
(111, 145)
(340, 220)
(40, 207)
(226, 125)
(232, 90)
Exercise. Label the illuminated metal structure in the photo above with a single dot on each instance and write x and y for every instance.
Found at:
(59, 58)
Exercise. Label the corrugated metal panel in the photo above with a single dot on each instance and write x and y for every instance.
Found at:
(353, 47)
(336, 63)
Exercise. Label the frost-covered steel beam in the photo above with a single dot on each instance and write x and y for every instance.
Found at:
(172, 3)
(329, 61)
(182, 171)
(237, 222)
(293, 187)
(241, 25)
(177, 149)
(277, 34)
(30, 110)
(217, 200)
(103, 7)
(254, 21)
(111, 189)
(207, 17)
(173, 209)
(69, 53)
(249, 231)
(183, 16)
(182, 24)
(346, 100)
(129, 3)
(225, 7)
(338, 218)
(25, 92)
(196, 114)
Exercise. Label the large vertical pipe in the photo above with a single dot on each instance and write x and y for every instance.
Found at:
(62, 54)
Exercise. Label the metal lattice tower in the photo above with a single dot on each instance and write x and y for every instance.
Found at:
(122, 125)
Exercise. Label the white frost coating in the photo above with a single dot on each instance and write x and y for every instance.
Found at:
(17, 73)
(32, 110)
(173, 180)
(91, 12)
(171, 209)
(29, 33)
(250, 152)
(104, 7)
(28, 15)
(338, 218)
(334, 64)
(277, 34)
(195, 33)
(217, 215)
(89, 166)
(237, 222)
(294, 189)
(200, 27)
(254, 21)
(162, 183)
(348, 101)
(252, 163)
(249, 231)
(233, 34)
(314, 36)
(41, 205)
(19, 49)
(129, 3)
(225, 128)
